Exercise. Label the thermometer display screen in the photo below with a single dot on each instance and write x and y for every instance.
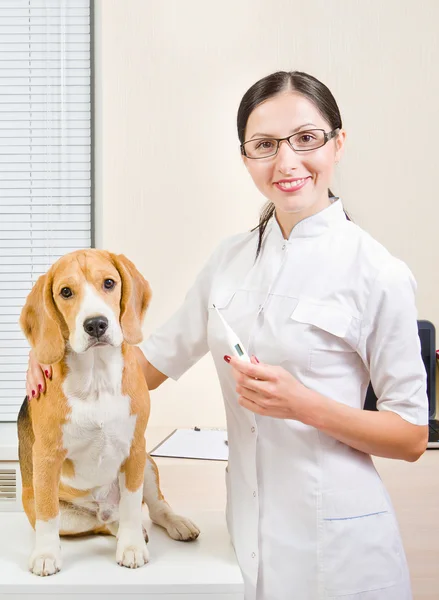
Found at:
(239, 350)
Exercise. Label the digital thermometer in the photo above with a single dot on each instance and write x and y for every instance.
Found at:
(235, 343)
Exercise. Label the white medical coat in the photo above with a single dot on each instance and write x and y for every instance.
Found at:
(308, 515)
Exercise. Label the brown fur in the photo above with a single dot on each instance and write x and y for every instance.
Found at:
(136, 295)
(68, 468)
(41, 323)
(157, 477)
(134, 386)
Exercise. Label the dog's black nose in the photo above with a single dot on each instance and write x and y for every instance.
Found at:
(96, 326)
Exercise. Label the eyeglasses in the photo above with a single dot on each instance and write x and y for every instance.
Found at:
(303, 141)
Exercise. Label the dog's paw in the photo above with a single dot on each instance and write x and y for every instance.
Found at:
(45, 563)
(181, 529)
(131, 551)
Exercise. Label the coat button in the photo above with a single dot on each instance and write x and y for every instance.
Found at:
(253, 429)
(253, 555)
(254, 494)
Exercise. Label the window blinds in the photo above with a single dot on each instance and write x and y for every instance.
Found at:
(45, 154)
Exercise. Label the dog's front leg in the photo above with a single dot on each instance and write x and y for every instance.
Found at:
(131, 547)
(46, 557)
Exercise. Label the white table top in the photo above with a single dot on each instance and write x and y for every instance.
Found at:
(205, 569)
(205, 566)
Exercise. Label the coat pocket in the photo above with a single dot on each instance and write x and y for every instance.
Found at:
(361, 546)
(330, 319)
(328, 333)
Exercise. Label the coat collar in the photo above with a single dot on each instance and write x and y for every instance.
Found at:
(312, 226)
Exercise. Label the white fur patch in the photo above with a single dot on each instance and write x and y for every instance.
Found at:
(94, 305)
(100, 428)
(130, 507)
(46, 558)
(131, 547)
(150, 488)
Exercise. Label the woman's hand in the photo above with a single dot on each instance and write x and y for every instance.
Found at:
(36, 377)
(268, 390)
(274, 392)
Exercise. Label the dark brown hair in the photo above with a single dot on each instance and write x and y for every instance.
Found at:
(270, 86)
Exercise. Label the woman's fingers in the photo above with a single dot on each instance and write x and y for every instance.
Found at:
(47, 371)
(34, 382)
(36, 377)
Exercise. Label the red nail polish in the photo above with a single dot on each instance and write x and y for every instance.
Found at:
(227, 358)
(40, 387)
(47, 373)
(256, 358)
(33, 393)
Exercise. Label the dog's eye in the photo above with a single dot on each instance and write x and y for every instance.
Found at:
(66, 292)
(109, 284)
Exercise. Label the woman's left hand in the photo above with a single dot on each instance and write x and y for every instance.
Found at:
(269, 390)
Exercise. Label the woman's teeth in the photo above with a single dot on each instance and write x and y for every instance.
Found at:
(288, 185)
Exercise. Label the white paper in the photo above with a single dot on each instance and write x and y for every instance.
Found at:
(207, 444)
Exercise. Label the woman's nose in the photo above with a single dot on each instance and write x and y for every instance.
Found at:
(286, 159)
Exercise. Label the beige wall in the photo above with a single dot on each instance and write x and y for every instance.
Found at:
(169, 180)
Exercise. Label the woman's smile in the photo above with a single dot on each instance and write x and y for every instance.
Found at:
(292, 184)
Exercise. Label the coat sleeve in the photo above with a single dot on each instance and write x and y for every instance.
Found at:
(182, 340)
(390, 346)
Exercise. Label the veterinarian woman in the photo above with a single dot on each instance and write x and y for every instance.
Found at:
(321, 307)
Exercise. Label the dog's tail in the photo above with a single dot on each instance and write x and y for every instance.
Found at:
(26, 439)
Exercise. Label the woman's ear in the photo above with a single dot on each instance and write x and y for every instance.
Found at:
(40, 322)
(339, 145)
(135, 297)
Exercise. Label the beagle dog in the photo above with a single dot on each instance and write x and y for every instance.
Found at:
(82, 452)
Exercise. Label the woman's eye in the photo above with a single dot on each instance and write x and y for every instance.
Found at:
(109, 284)
(306, 138)
(66, 292)
(266, 145)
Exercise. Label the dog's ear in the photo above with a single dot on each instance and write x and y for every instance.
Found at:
(134, 300)
(40, 322)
